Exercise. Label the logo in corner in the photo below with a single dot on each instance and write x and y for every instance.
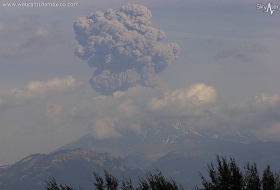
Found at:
(269, 8)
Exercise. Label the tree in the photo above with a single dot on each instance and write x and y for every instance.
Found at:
(270, 181)
(226, 175)
(157, 181)
(52, 185)
(251, 177)
(111, 182)
(127, 184)
(153, 181)
(99, 184)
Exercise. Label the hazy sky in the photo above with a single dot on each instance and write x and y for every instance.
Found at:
(228, 65)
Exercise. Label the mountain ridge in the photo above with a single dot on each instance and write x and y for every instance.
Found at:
(71, 167)
(176, 149)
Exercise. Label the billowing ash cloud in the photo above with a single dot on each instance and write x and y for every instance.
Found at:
(124, 48)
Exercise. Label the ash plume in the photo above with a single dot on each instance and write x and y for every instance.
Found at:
(124, 49)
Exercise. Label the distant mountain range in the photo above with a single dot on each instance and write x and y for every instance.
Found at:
(72, 167)
(141, 150)
(178, 151)
(181, 152)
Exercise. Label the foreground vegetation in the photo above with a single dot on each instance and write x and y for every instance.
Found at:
(225, 175)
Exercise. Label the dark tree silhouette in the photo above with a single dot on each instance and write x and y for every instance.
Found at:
(225, 175)
(251, 177)
(157, 181)
(52, 185)
(153, 181)
(127, 184)
(270, 180)
(111, 182)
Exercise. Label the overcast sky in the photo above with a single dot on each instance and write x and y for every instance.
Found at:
(228, 65)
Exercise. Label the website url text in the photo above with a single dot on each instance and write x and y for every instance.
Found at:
(43, 4)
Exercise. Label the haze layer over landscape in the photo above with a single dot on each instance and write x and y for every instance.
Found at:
(132, 67)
